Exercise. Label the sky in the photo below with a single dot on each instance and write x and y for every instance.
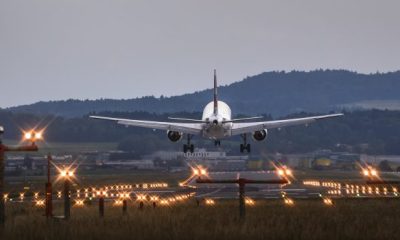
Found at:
(90, 49)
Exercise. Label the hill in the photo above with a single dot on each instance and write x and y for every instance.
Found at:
(275, 93)
(370, 132)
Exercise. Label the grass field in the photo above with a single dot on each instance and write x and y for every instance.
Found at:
(308, 219)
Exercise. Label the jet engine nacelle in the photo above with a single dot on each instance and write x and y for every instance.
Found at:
(260, 135)
(174, 136)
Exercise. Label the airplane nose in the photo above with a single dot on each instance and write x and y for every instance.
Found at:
(215, 122)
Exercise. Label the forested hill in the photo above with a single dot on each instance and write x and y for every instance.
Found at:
(276, 93)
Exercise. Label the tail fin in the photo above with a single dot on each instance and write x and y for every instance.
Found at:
(215, 93)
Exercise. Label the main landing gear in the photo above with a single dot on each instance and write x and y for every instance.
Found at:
(245, 145)
(188, 147)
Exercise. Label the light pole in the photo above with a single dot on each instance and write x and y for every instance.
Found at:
(32, 136)
(49, 191)
(67, 174)
(101, 203)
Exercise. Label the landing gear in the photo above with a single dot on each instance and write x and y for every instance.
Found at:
(188, 147)
(245, 145)
(217, 143)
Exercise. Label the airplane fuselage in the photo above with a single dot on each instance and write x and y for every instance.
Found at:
(217, 126)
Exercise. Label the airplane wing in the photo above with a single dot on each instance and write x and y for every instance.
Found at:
(188, 128)
(241, 128)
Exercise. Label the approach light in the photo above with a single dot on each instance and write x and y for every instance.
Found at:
(370, 172)
(118, 202)
(249, 201)
(28, 136)
(328, 201)
(33, 135)
(289, 201)
(38, 135)
(79, 203)
(164, 202)
(210, 202)
(39, 203)
(203, 171)
(284, 171)
(66, 173)
(154, 198)
(141, 197)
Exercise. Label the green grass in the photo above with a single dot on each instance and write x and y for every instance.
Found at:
(308, 219)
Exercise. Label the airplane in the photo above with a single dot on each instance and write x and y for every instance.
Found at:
(217, 124)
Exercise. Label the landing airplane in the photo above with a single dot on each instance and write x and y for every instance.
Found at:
(216, 124)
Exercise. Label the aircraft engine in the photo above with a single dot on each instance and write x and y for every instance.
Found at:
(260, 135)
(174, 136)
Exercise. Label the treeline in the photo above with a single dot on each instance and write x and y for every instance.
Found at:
(278, 93)
(372, 132)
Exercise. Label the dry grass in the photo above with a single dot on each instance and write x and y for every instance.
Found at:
(308, 219)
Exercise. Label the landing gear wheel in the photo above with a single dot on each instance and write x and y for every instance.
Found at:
(245, 145)
(188, 147)
(191, 148)
(248, 148)
(185, 148)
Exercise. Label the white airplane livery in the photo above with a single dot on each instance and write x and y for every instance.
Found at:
(217, 124)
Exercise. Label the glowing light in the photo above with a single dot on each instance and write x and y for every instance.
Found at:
(141, 197)
(38, 135)
(154, 198)
(203, 171)
(366, 172)
(79, 203)
(285, 172)
(374, 172)
(289, 201)
(32, 135)
(249, 201)
(118, 202)
(328, 201)
(39, 203)
(210, 202)
(28, 135)
(22, 196)
(164, 202)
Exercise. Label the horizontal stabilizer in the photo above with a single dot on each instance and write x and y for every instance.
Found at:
(242, 119)
(187, 119)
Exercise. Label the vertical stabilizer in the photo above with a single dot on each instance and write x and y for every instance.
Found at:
(215, 93)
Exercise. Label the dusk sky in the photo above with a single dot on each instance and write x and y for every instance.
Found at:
(89, 49)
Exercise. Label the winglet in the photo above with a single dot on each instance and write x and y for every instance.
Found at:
(215, 93)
